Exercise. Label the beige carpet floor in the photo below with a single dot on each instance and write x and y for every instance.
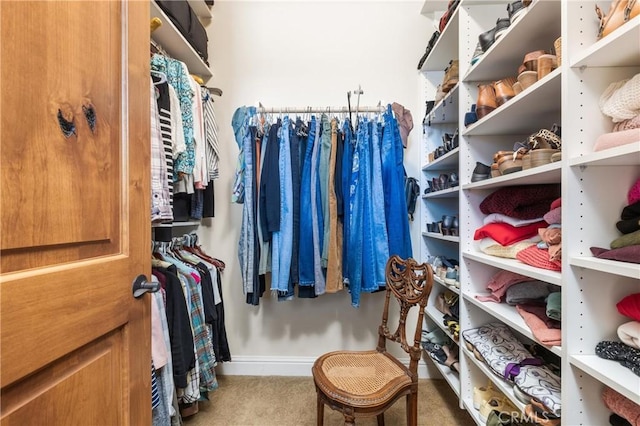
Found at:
(291, 401)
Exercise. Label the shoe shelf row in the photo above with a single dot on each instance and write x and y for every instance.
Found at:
(536, 106)
(439, 236)
(174, 43)
(446, 162)
(447, 42)
(446, 111)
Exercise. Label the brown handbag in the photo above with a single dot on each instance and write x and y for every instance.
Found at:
(619, 13)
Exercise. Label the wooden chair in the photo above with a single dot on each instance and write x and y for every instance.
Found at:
(367, 383)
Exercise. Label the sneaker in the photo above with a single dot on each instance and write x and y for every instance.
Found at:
(515, 11)
(502, 25)
(476, 54)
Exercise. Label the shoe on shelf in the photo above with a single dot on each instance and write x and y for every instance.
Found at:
(432, 42)
(451, 75)
(452, 359)
(480, 172)
(500, 404)
(439, 93)
(471, 116)
(450, 276)
(546, 64)
(486, 100)
(515, 10)
(484, 393)
(487, 39)
(502, 25)
(477, 54)
(504, 90)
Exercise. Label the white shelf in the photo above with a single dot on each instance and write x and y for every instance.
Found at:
(475, 414)
(611, 373)
(505, 387)
(536, 107)
(171, 40)
(438, 236)
(537, 29)
(452, 378)
(440, 281)
(176, 224)
(624, 155)
(631, 270)
(430, 6)
(446, 47)
(201, 9)
(549, 173)
(514, 265)
(618, 49)
(510, 316)
(448, 161)
(444, 193)
(446, 111)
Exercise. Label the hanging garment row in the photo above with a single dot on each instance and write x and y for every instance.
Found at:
(323, 204)
(188, 334)
(184, 144)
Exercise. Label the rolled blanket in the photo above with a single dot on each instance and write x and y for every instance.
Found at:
(527, 292)
(509, 252)
(542, 332)
(621, 405)
(629, 306)
(521, 201)
(506, 234)
(632, 210)
(550, 235)
(539, 258)
(629, 334)
(554, 305)
(553, 216)
(616, 351)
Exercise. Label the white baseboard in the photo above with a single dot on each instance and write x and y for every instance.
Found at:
(249, 365)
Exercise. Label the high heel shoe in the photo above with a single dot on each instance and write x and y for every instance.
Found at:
(447, 221)
(444, 181)
(455, 227)
(453, 180)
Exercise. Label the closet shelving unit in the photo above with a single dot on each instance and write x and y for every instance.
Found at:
(596, 190)
(442, 119)
(168, 36)
(594, 187)
(174, 43)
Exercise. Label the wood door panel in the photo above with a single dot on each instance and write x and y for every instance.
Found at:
(78, 308)
(60, 182)
(74, 219)
(65, 385)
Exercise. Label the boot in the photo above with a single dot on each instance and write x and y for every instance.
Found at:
(504, 90)
(486, 100)
(451, 76)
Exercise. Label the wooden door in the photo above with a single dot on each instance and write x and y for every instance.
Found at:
(75, 344)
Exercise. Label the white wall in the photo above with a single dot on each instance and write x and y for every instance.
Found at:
(298, 53)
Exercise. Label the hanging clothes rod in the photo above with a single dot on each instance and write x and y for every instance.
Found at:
(329, 110)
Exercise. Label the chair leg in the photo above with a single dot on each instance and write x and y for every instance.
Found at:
(320, 411)
(349, 420)
(381, 419)
(412, 409)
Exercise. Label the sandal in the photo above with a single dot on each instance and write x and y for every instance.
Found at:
(451, 360)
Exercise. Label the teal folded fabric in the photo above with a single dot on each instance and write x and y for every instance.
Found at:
(554, 305)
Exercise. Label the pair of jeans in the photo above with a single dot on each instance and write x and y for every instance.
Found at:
(305, 256)
(395, 204)
(264, 247)
(347, 160)
(240, 125)
(333, 232)
(375, 250)
(282, 240)
(323, 173)
(317, 220)
(246, 243)
(270, 183)
(353, 261)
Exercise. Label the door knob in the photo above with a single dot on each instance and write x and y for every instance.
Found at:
(142, 286)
